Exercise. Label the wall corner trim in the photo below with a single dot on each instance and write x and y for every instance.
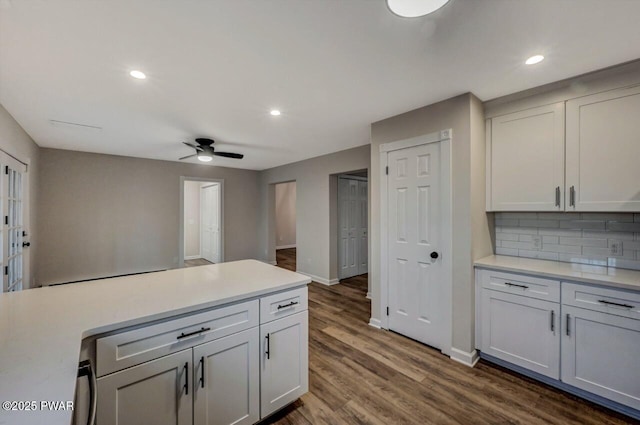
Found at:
(467, 359)
(319, 279)
(375, 323)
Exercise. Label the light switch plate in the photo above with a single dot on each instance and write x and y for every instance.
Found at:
(615, 248)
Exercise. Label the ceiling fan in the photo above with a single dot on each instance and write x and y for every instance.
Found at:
(205, 151)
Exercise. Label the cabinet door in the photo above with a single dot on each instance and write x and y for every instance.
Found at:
(284, 362)
(156, 392)
(227, 380)
(521, 330)
(603, 147)
(600, 354)
(526, 160)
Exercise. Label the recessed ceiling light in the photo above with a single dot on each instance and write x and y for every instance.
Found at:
(414, 8)
(275, 112)
(138, 74)
(534, 60)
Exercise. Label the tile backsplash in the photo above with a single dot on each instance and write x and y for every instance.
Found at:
(603, 239)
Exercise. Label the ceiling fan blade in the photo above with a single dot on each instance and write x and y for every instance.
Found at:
(188, 156)
(229, 155)
(191, 145)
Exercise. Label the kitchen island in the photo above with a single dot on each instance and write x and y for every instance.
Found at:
(41, 330)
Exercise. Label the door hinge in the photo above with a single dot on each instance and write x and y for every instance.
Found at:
(387, 170)
(6, 220)
(6, 169)
(387, 311)
(6, 270)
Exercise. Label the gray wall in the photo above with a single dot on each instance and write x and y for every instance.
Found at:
(103, 215)
(17, 143)
(285, 214)
(313, 204)
(464, 115)
(192, 218)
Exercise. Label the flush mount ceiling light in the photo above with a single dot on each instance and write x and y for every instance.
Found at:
(275, 112)
(534, 60)
(138, 74)
(414, 8)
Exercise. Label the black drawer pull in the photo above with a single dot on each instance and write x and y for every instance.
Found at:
(184, 335)
(612, 303)
(292, 303)
(516, 285)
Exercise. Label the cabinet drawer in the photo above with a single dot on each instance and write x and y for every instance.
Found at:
(606, 300)
(283, 304)
(129, 348)
(512, 283)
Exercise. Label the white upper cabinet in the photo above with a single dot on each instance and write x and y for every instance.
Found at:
(525, 160)
(603, 151)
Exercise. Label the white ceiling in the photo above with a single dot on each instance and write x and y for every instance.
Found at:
(216, 68)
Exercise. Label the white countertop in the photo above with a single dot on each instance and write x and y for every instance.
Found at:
(598, 275)
(41, 330)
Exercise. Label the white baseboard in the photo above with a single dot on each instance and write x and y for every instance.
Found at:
(192, 257)
(467, 359)
(368, 295)
(376, 323)
(319, 279)
(285, 246)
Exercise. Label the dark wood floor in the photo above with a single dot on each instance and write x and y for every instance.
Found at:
(362, 375)
(196, 262)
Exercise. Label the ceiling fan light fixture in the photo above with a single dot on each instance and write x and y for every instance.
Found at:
(414, 8)
(204, 157)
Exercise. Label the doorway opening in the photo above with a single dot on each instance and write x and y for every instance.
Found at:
(202, 230)
(352, 209)
(285, 217)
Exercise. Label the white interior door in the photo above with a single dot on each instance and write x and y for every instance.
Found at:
(348, 224)
(415, 286)
(13, 233)
(210, 222)
(363, 238)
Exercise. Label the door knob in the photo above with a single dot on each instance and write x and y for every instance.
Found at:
(26, 244)
(434, 255)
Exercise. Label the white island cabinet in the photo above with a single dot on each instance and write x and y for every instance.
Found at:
(179, 347)
(207, 368)
(555, 322)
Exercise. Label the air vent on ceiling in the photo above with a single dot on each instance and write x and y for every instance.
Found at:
(74, 125)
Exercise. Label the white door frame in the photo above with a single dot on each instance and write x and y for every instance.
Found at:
(444, 137)
(181, 232)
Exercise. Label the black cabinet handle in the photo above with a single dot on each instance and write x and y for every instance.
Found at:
(184, 335)
(516, 285)
(434, 255)
(553, 321)
(268, 347)
(567, 325)
(292, 303)
(186, 378)
(202, 372)
(616, 304)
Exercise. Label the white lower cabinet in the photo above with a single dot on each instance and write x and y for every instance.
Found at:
(227, 380)
(522, 330)
(600, 354)
(236, 378)
(156, 392)
(586, 337)
(284, 361)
